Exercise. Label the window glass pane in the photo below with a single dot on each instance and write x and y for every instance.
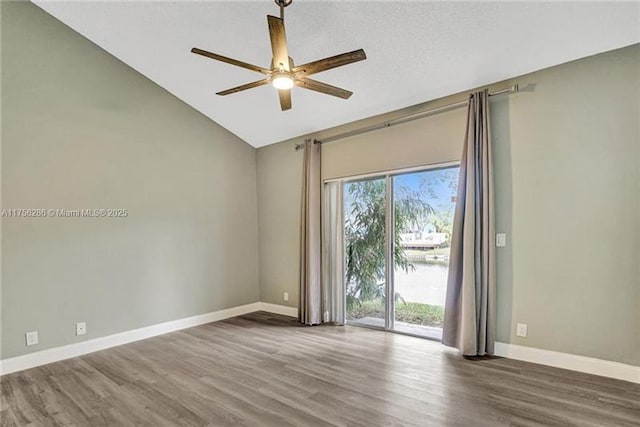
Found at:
(424, 204)
(364, 233)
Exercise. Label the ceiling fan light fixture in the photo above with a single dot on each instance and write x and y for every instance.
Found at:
(282, 81)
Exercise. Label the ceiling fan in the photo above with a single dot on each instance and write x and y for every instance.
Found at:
(282, 74)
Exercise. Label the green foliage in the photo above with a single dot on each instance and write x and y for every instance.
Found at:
(442, 221)
(365, 236)
(442, 218)
(411, 312)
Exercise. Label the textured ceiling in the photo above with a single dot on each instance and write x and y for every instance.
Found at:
(417, 51)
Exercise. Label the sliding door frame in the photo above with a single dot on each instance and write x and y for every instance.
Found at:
(388, 255)
(389, 238)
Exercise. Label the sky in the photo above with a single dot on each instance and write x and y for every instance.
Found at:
(434, 184)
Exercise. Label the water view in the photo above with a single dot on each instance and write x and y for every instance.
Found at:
(426, 284)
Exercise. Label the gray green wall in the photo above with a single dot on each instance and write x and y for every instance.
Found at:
(82, 130)
(567, 171)
(279, 171)
(567, 179)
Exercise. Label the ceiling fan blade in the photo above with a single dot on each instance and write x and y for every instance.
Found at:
(323, 88)
(278, 43)
(331, 62)
(285, 99)
(243, 87)
(230, 61)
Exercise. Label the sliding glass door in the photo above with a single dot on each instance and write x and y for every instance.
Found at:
(397, 231)
(424, 204)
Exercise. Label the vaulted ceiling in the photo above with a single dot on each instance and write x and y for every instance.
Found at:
(417, 51)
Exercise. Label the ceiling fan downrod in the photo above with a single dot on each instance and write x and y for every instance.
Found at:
(282, 4)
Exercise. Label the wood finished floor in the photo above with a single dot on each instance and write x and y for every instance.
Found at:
(265, 370)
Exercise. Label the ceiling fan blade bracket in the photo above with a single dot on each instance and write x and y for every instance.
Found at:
(276, 69)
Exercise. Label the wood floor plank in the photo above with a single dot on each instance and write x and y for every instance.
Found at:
(263, 369)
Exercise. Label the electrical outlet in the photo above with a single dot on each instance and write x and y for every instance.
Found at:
(31, 338)
(285, 296)
(501, 240)
(521, 330)
(81, 328)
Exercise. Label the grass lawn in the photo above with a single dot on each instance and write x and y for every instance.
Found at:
(409, 312)
(422, 253)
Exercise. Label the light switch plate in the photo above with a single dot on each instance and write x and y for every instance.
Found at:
(31, 338)
(501, 240)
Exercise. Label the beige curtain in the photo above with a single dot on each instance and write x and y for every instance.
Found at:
(469, 321)
(333, 290)
(310, 304)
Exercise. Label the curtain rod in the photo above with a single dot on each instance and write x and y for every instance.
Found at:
(404, 119)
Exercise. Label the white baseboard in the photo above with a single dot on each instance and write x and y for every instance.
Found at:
(528, 354)
(56, 354)
(50, 355)
(589, 365)
(279, 309)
